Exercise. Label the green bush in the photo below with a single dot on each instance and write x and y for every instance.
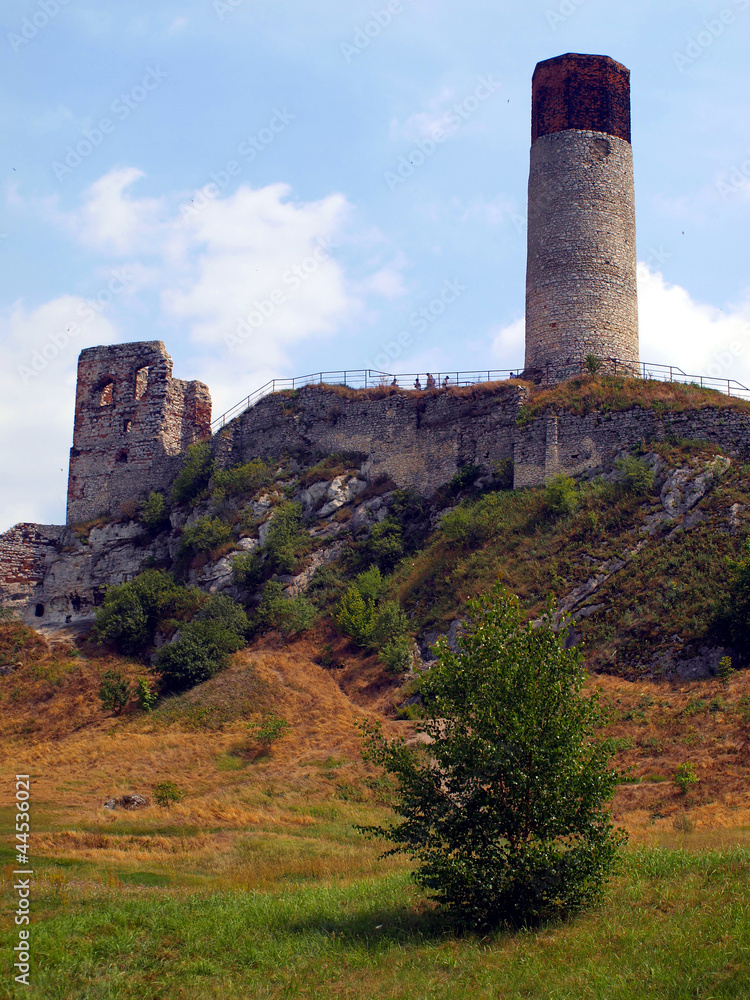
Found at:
(382, 628)
(389, 623)
(267, 732)
(204, 535)
(241, 480)
(115, 691)
(247, 570)
(733, 616)
(505, 810)
(165, 793)
(385, 546)
(560, 496)
(637, 477)
(154, 513)
(371, 584)
(200, 651)
(147, 697)
(133, 611)
(222, 609)
(192, 481)
(289, 615)
(397, 654)
(286, 542)
(685, 777)
(355, 616)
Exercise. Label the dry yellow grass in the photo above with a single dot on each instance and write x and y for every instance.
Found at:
(252, 819)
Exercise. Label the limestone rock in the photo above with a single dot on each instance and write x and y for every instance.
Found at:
(342, 490)
(130, 802)
(683, 488)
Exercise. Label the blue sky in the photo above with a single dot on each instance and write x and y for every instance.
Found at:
(167, 168)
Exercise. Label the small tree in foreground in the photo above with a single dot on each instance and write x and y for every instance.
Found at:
(504, 811)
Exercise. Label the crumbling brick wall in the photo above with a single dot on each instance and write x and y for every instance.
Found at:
(131, 420)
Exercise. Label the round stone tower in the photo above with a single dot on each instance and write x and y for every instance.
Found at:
(581, 294)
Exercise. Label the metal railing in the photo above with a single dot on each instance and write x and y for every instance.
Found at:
(549, 375)
(359, 379)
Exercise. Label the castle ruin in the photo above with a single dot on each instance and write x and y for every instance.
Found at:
(581, 296)
(131, 418)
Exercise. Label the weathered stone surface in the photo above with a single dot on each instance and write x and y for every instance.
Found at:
(131, 802)
(581, 295)
(417, 439)
(685, 487)
(132, 420)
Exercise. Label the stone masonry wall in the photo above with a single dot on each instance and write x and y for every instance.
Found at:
(24, 554)
(581, 295)
(131, 421)
(418, 439)
(578, 446)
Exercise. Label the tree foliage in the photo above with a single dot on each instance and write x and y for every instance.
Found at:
(504, 811)
(133, 611)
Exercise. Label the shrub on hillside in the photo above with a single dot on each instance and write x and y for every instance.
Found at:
(115, 690)
(132, 612)
(733, 617)
(241, 480)
(504, 811)
(192, 481)
(286, 542)
(204, 535)
(247, 570)
(560, 496)
(397, 654)
(200, 651)
(636, 477)
(355, 616)
(371, 584)
(154, 513)
(385, 545)
(381, 627)
(229, 614)
(165, 793)
(289, 615)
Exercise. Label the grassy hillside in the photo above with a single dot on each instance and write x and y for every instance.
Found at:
(256, 882)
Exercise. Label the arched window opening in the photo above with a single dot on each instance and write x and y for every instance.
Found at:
(107, 394)
(141, 382)
(127, 426)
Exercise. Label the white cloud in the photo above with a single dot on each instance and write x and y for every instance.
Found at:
(37, 396)
(700, 338)
(508, 344)
(423, 124)
(245, 277)
(674, 329)
(113, 222)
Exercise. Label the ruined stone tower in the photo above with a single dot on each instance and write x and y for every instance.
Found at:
(131, 418)
(581, 294)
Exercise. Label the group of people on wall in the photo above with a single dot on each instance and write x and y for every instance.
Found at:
(431, 382)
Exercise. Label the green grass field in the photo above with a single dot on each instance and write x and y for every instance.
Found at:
(674, 925)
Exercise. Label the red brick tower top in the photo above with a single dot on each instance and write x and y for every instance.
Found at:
(574, 91)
